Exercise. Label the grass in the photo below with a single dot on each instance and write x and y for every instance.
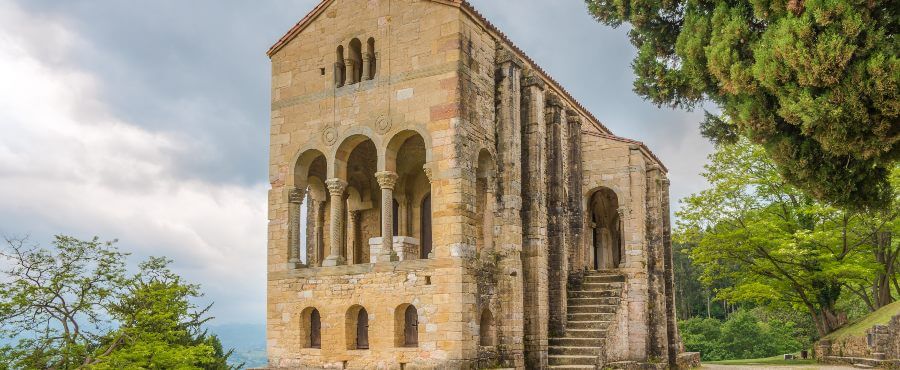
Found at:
(774, 360)
(859, 326)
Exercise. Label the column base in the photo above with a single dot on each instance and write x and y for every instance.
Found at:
(334, 261)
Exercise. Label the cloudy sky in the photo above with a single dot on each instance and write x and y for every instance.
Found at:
(147, 122)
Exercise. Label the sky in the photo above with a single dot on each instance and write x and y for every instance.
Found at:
(147, 122)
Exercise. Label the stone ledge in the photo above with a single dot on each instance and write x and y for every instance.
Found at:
(366, 268)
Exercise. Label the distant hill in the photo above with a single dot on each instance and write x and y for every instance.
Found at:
(248, 341)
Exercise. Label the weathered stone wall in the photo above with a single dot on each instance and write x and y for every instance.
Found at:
(429, 285)
(492, 126)
(881, 342)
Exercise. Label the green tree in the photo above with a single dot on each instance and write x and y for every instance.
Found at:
(73, 306)
(774, 244)
(813, 81)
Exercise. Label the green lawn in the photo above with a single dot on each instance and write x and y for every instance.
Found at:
(858, 328)
(774, 360)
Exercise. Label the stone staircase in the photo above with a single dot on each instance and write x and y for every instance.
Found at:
(590, 310)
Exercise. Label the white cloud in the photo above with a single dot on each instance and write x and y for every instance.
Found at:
(69, 165)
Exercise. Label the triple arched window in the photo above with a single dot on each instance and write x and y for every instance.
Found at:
(358, 63)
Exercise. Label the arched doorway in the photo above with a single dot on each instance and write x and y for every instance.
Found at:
(606, 247)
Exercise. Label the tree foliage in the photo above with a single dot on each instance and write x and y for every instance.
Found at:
(813, 81)
(742, 335)
(777, 246)
(73, 306)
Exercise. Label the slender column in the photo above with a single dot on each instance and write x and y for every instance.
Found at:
(312, 242)
(387, 180)
(353, 252)
(339, 71)
(295, 200)
(430, 176)
(336, 190)
(320, 233)
(351, 70)
(367, 66)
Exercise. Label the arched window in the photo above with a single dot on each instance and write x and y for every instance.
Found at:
(370, 51)
(340, 69)
(310, 328)
(362, 329)
(410, 327)
(315, 329)
(357, 328)
(426, 226)
(354, 70)
(486, 330)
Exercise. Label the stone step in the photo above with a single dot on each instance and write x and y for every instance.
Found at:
(591, 316)
(572, 360)
(602, 286)
(580, 351)
(603, 278)
(594, 293)
(573, 367)
(591, 308)
(593, 324)
(576, 301)
(577, 342)
(585, 333)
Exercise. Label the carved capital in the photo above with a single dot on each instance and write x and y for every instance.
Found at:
(665, 181)
(386, 179)
(504, 55)
(296, 195)
(532, 79)
(428, 173)
(554, 101)
(336, 187)
(572, 116)
(634, 147)
(367, 57)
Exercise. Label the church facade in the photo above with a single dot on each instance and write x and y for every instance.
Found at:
(438, 201)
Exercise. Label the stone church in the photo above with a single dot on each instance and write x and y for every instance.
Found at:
(438, 201)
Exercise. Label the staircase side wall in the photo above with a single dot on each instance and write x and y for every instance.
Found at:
(621, 166)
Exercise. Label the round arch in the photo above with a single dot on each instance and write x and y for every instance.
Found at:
(337, 168)
(303, 161)
(388, 161)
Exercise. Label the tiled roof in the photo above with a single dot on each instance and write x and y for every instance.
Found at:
(467, 8)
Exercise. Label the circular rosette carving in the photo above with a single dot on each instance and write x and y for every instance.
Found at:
(382, 124)
(329, 135)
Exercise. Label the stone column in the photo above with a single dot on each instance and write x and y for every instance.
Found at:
(367, 66)
(312, 236)
(336, 189)
(295, 203)
(353, 252)
(556, 216)
(509, 207)
(674, 342)
(656, 300)
(387, 180)
(339, 71)
(534, 222)
(621, 211)
(351, 71)
(430, 176)
(574, 179)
